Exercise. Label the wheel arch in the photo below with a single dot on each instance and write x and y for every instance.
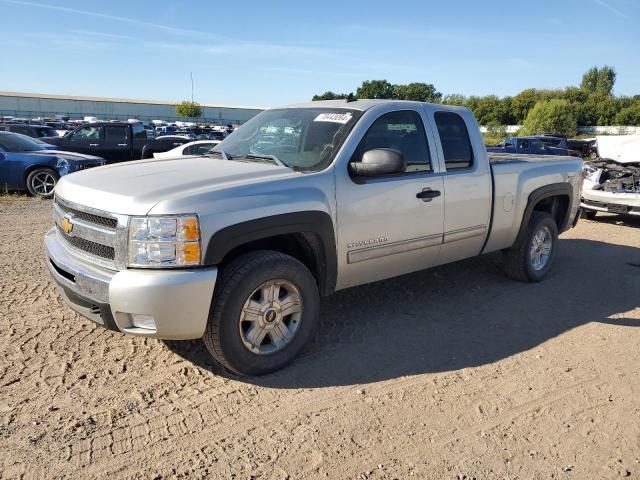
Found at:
(307, 236)
(35, 166)
(554, 199)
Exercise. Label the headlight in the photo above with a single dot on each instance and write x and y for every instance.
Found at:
(164, 241)
(62, 166)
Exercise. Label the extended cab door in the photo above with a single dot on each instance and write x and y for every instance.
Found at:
(391, 224)
(84, 140)
(524, 145)
(467, 183)
(117, 144)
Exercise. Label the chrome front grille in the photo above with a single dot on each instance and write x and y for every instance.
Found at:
(96, 236)
(88, 246)
(87, 217)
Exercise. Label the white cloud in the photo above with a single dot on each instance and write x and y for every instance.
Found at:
(612, 9)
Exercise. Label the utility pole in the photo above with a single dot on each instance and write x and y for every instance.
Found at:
(192, 93)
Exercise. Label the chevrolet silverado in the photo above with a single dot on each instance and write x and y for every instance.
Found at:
(237, 246)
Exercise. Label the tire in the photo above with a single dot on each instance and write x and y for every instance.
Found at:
(588, 214)
(41, 182)
(146, 154)
(520, 262)
(243, 288)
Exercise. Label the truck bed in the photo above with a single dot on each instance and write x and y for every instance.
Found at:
(514, 175)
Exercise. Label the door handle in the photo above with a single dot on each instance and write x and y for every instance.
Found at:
(427, 194)
(123, 144)
(94, 144)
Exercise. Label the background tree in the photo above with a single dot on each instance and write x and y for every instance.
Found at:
(551, 116)
(592, 103)
(522, 103)
(375, 89)
(454, 99)
(599, 80)
(188, 109)
(419, 92)
(629, 116)
(329, 95)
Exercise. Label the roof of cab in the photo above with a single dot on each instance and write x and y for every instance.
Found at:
(365, 104)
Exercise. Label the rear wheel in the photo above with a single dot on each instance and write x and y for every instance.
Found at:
(530, 260)
(41, 182)
(264, 312)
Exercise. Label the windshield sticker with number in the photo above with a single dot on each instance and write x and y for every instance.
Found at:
(333, 117)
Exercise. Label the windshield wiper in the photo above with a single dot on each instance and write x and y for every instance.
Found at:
(222, 153)
(273, 158)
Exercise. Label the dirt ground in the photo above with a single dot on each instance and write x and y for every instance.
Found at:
(454, 373)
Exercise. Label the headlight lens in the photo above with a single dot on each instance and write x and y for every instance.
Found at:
(164, 241)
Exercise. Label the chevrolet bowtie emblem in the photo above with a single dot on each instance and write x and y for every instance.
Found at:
(66, 225)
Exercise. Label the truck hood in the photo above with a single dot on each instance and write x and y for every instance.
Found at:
(133, 188)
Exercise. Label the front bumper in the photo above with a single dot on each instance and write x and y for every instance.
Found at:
(601, 201)
(177, 300)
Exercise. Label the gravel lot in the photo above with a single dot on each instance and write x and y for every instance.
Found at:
(454, 373)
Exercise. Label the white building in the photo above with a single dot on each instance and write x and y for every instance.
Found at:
(33, 105)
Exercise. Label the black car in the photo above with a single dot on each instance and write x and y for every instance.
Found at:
(35, 131)
(115, 141)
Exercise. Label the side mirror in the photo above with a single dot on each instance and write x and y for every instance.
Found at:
(379, 161)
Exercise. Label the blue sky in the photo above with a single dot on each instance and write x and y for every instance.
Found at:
(270, 53)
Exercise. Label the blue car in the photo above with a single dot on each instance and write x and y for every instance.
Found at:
(29, 164)
(542, 145)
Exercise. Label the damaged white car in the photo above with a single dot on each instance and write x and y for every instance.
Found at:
(612, 181)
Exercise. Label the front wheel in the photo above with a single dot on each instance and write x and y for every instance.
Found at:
(265, 310)
(41, 182)
(530, 260)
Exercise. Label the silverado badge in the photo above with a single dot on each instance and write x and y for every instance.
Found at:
(66, 225)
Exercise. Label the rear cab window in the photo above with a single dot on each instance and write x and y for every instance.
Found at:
(455, 141)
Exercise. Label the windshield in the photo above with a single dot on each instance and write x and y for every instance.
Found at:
(16, 142)
(305, 139)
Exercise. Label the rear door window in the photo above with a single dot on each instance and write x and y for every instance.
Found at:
(524, 146)
(454, 138)
(115, 134)
(139, 131)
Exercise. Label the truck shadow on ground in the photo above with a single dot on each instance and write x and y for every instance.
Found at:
(461, 315)
(613, 219)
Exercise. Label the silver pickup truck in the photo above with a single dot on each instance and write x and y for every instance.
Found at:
(237, 246)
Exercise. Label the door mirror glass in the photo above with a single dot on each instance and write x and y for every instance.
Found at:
(379, 161)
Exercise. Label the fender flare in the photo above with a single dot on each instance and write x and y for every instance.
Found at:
(552, 190)
(309, 222)
(146, 148)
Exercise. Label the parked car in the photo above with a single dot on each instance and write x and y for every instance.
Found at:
(26, 165)
(199, 147)
(238, 253)
(586, 147)
(532, 145)
(612, 183)
(115, 142)
(176, 137)
(35, 131)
